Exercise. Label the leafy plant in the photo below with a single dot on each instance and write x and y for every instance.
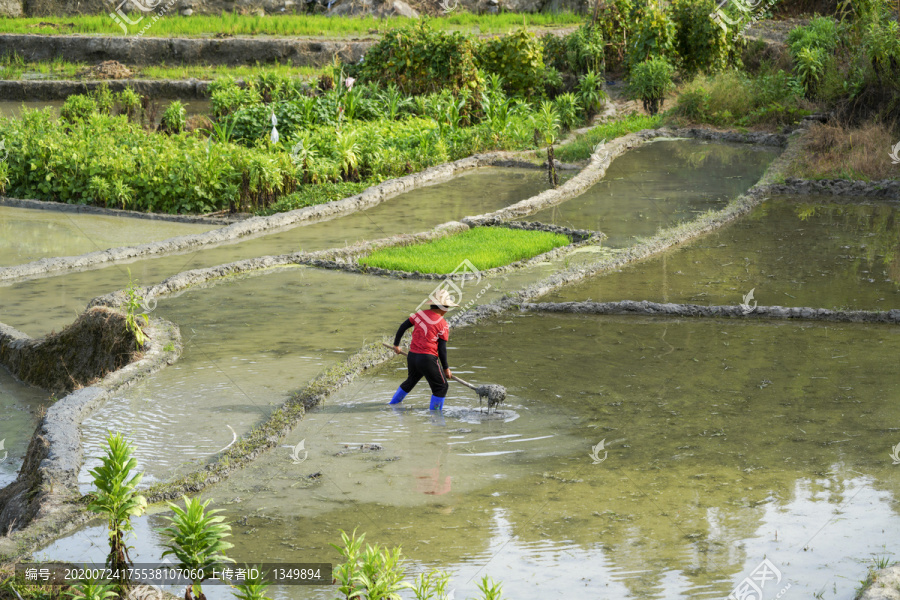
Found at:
(419, 60)
(347, 573)
(197, 541)
(116, 499)
(810, 64)
(519, 58)
(431, 585)
(654, 36)
(130, 104)
(569, 110)
(77, 107)
(91, 590)
(253, 588)
(104, 99)
(590, 93)
(174, 117)
(134, 304)
(546, 121)
(585, 50)
(700, 43)
(489, 589)
(650, 81)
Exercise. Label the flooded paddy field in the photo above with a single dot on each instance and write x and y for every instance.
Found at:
(38, 305)
(661, 184)
(724, 443)
(20, 407)
(27, 234)
(792, 251)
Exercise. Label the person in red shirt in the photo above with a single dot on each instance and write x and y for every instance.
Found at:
(427, 349)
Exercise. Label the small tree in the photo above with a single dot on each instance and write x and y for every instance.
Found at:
(196, 539)
(546, 121)
(117, 499)
(649, 81)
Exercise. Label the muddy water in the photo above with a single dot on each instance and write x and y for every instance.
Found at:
(39, 305)
(19, 408)
(661, 184)
(798, 251)
(27, 235)
(249, 342)
(725, 443)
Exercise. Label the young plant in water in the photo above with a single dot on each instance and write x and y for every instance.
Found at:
(252, 589)
(134, 306)
(197, 540)
(431, 585)
(117, 500)
(489, 589)
(91, 590)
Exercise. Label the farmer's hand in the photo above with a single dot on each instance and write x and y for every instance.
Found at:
(448, 373)
(397, 350)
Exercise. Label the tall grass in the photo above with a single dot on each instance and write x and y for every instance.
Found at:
(14, 67)
(583, 145)
(486, 247)
(283, 25)
(838, 151)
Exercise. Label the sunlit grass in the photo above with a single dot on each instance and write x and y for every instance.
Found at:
(13, 67)
(583, 145)
(281, 25)
(485, 247)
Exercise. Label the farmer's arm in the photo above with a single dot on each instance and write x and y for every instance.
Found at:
(403, 327)
(442, 355)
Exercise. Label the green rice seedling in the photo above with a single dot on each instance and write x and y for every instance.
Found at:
(485, 247)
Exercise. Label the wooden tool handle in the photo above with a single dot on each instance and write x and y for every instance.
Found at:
(462, 381)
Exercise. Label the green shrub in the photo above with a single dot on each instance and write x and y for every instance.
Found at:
(882, 44)
(77, 108)
(809, 64)
(130, 104)
(174, 117)
(590, 93)
(650, 81)
(616, 22)
(226, 96)
(104, 99)
(519, 59)
(821, 33)
(569, 110)
(653, 36)
(585, 50)
(419, 60)
(702, 46)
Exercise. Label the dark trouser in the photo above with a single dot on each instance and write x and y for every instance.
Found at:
(429, 367)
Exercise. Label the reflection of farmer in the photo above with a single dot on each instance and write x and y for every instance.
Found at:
(430, 481)
(429, 344)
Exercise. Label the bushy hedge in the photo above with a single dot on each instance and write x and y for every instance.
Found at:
(420, 60)
(109, 161)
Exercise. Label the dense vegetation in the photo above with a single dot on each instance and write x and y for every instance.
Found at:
(486, 247)
(234, 24)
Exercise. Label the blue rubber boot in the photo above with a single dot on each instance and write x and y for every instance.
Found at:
(399, 395)
(437, 403)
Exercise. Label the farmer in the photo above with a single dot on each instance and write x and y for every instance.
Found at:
(429, 344)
